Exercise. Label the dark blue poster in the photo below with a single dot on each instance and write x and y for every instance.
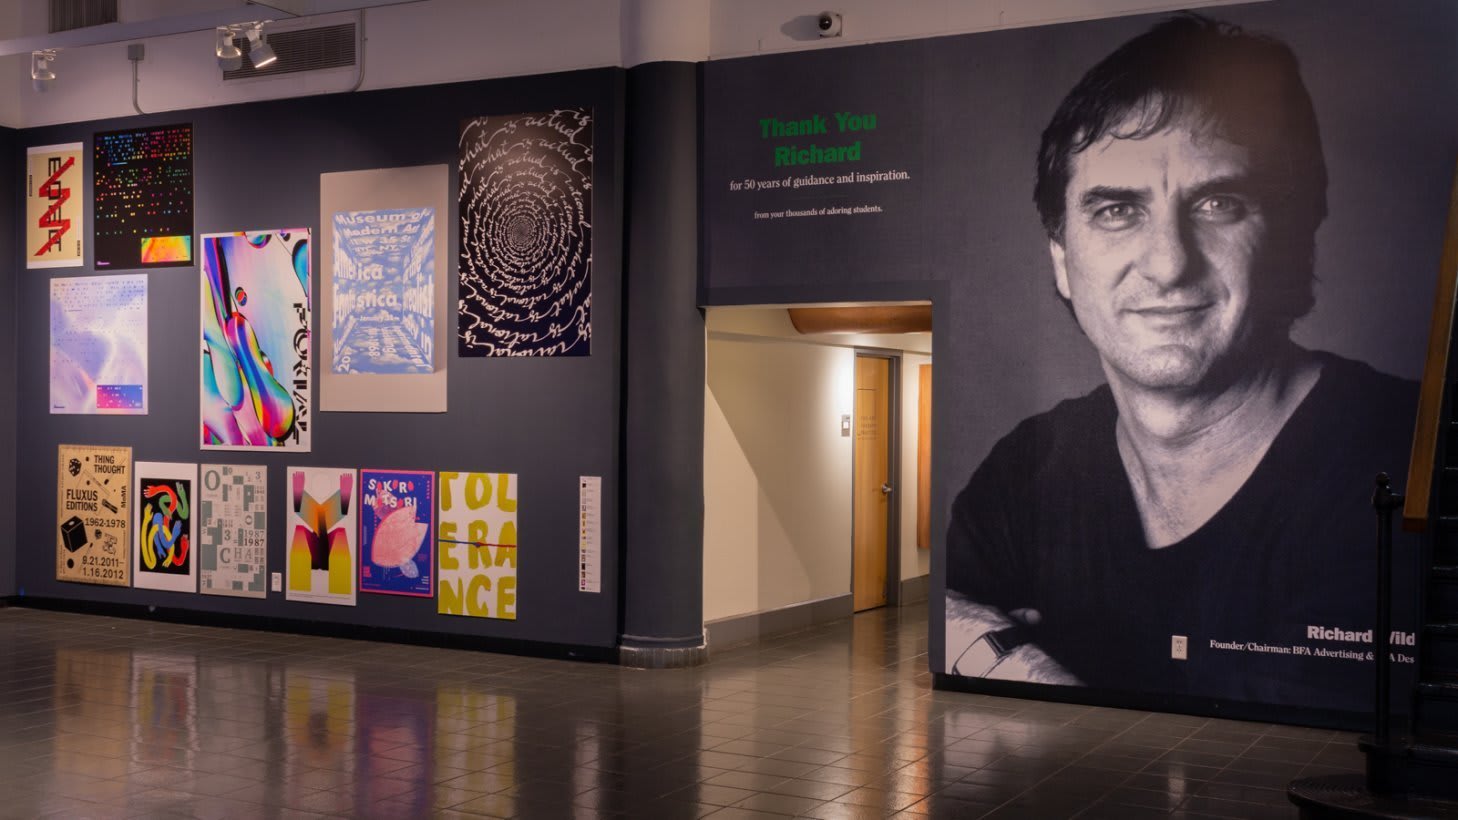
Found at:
(396, 532)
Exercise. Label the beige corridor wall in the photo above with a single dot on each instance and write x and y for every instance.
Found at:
(777, 475)
(914, 562)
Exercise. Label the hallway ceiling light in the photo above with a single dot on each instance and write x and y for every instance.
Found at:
(41, 75)
(258, 49)
(230, 57)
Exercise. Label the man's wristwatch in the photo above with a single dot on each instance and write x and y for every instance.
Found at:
(989, 650)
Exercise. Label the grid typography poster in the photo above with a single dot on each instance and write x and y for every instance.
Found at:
(396, 543)
(93, 486)
(99, 344)
(142, 187)
(233, 534)
(320, 535)
(166, 527)
(477, 545)
(526, 235)
(255, 340)
(54, 207)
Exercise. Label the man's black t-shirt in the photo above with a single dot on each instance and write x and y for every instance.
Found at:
(1049, 522)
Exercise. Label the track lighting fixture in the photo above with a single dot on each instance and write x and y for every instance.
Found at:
(230, 57)
(259, 51)
(41, 75)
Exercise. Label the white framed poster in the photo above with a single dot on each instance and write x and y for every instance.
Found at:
(321, 535)
(164, 496)
(233, 545)
(99, 345)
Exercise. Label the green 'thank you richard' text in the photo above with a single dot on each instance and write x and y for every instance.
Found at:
(814, 125)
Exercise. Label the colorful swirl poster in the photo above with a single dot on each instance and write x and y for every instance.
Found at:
(255, 340)
(93, 485)
(54, 206)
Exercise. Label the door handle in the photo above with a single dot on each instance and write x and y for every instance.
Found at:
(887, 489)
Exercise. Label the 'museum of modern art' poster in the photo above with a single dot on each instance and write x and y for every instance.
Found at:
(164, 536)
(320, 535)
(388, 337)
(477, 545)
(142, 187)
(93, 485)
(526, 234)
(233, 533)
(99, 344)
(396, 538)
(255, 340)
(54, 206)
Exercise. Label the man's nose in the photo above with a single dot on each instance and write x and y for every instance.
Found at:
(1168, 257)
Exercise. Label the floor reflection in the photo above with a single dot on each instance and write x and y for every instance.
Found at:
(118, 718)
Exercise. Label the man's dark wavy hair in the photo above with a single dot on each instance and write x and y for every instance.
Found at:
(1221, 80)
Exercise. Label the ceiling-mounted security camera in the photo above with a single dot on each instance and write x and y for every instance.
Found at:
(829, 23)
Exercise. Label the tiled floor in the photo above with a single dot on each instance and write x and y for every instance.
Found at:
(107, 717)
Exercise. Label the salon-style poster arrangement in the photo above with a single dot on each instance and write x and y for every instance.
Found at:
(1111, 261)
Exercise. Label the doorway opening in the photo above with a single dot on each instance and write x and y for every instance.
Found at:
(812, 484)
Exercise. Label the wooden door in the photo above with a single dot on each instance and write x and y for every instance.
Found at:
(872, 481)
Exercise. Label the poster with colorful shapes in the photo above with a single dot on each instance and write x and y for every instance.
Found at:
(93, 513)
(166, 526)
(142, 192)
(233, 546)
(396, 523)
(99, 345)
(320, 534)
(53, 206)
(477, 545)
(255, 340)
(384, 291)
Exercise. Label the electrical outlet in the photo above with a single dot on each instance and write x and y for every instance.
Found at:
(277, 582)
(1179, 647)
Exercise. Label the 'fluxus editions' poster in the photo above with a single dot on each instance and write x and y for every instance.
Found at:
(526, 234)
(255, 340)
(93, 485)
(54, 206)
(142, 186)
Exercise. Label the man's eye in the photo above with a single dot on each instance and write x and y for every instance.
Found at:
(1116, 216)
(1222, 208)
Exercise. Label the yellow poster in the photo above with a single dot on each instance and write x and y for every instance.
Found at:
(92, 511)
(53, 206)
(477, 545)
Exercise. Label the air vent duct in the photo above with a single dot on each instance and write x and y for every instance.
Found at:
(71, 14)
(305, 49)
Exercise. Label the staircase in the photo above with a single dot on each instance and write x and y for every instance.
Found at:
(1415, 773)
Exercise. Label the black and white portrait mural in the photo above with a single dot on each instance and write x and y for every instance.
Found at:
(1188, 262)
(526, 235)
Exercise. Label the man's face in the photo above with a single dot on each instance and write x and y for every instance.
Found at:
(1160, 246)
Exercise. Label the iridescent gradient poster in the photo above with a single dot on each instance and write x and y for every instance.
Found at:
(54, 206)
(99, 345)
(142, 187)
(526, 234)
(255, 340)
(396, 523)
(320, 533)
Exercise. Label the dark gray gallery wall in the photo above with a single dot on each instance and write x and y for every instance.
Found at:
(663, 419)
(257, 166)
(12, 211)
(962, 116)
